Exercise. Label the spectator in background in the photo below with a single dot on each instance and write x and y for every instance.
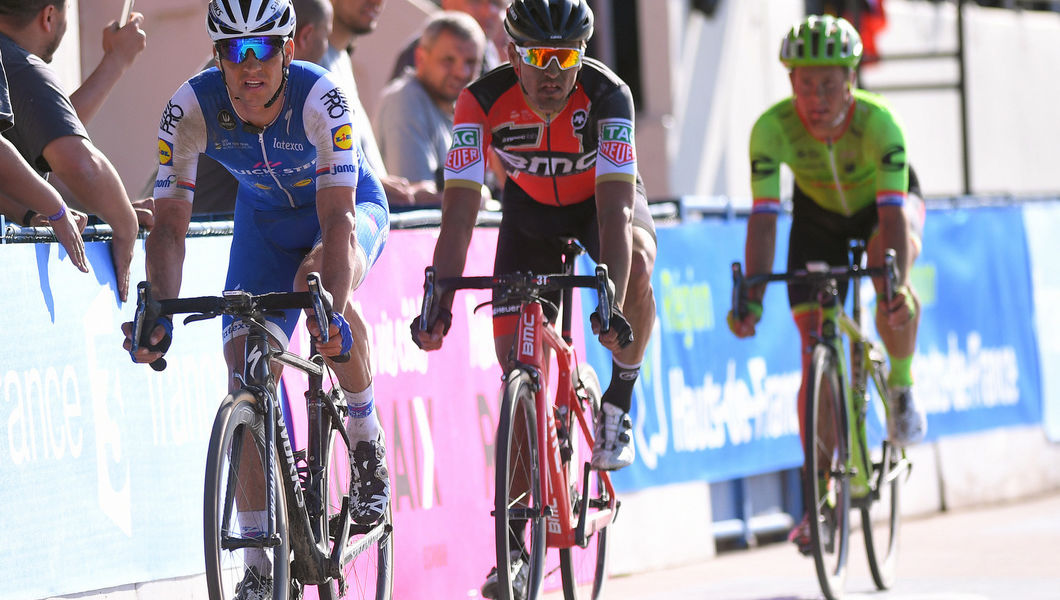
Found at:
(49, 131)
(415, 117)
(26, 198)
(215, 187)
(355, 18)
(488, 14)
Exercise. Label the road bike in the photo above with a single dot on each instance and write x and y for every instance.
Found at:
(843, 469)
(309, 536)
(546, 494)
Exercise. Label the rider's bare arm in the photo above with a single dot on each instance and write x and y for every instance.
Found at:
(760, 248)
(338, 228)
(614, 212)
(459, 211)
(165, 246)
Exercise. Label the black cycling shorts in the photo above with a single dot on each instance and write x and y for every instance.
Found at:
(822, 235)
(532, 234)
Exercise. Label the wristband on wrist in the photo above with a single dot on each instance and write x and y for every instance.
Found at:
(28, 218)
(60, 214)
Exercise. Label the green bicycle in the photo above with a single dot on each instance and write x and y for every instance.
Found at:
(842, 469)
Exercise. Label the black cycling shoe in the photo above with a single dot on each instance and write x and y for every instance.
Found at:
(520, 577)
(254, 586)
(369, 482)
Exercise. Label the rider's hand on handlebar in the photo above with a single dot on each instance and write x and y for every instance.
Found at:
(901, 310)
(618, 336)
(340, 339)
(435, 334)
(745, 327)
(158, 343)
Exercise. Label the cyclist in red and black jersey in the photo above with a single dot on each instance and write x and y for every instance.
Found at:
(562, 126)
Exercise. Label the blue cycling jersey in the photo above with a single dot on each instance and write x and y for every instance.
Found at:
(310, 146)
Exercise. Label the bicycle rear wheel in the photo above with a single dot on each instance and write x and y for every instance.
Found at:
(576, 563)
(880, 520)
(235, 467)
(826, 484)
(368, 568)
(519, 506)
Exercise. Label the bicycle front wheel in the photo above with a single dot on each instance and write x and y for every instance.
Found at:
(238, 554)
(368, 566)
(519, 502)
(881, 519)
(826, 485)
(587, 565)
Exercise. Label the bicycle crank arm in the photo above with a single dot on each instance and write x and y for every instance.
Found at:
(237, 543)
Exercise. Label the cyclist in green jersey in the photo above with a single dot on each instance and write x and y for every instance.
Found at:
(846, 150)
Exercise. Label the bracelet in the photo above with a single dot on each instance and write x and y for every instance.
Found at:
(28, 218)
(60, 214)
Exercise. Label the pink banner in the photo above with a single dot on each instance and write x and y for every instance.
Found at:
(439, 411)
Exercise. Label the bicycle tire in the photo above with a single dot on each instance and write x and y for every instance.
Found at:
(826, 484)
(593, 558)
(370, 574)
(519, 494)
(237, 418)
(881, 526)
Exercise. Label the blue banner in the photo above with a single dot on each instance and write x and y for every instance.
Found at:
(977, 360)
(707, 405)
(711, 407)
(101, 460)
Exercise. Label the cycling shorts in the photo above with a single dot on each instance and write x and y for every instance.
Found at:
(822, 235)
(531, 238)
(268, 247)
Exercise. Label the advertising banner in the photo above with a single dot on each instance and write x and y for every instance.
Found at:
(709, 406)
(1042, 222)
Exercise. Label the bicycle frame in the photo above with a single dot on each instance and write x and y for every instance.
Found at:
(533, 336)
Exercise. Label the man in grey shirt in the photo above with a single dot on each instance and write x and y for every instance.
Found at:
(415, 116)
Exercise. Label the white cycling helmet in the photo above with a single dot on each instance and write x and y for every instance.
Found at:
(227, 19)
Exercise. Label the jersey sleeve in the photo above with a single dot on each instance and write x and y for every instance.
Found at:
(616, 152)
(766, 155)
(888, 152)
(329, 127)
(465, 163)
(181, 138)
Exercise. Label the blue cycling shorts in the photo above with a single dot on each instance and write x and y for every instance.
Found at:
(268, 246)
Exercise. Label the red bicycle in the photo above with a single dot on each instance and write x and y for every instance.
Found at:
(546, 495)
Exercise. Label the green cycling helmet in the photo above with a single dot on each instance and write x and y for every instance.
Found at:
(821, 40)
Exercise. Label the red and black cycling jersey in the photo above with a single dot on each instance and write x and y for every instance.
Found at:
(558, 161)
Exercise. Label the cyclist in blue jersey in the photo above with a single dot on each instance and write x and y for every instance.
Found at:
(307, 201)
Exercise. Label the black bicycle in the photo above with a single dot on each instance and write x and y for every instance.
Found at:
(309, 537)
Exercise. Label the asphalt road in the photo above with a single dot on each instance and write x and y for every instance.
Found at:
(1003, 552)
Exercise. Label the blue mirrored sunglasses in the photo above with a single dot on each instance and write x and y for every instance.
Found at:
(236, 49)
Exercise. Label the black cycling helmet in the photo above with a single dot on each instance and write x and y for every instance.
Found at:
(549, 21)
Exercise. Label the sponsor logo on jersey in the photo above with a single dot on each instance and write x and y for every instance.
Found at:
(579, 119)
(186, 185)
(164, 184)
(546, 165)
(762, 166)
(262, 186)
(336, 169)
(342, 137)
(335, 103)
(616, 142)
(510, 135)
(170, 117)
(893, 158)
(165, 152)
(295, 146)
(466, 149)
(303, 182)
(226, 120)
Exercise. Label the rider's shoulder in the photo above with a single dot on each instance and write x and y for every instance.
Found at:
(779, 118)
(598, 80)
(874, 109)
